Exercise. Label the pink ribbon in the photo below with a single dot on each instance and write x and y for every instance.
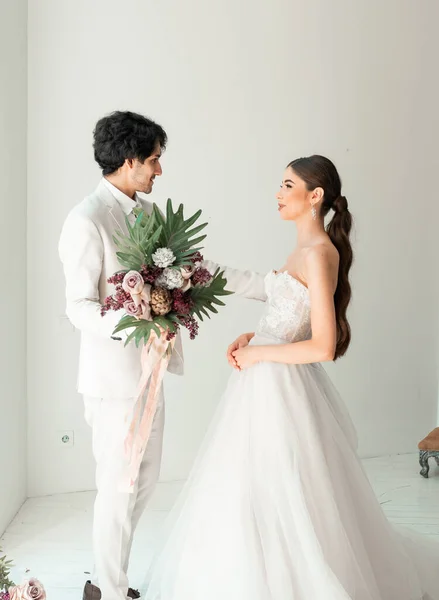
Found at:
(155, 359)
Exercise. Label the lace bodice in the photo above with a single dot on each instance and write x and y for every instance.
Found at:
(287, 315)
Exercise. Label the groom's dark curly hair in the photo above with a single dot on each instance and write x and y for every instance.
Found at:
(123, 135)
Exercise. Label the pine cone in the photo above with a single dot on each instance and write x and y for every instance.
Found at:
(161, 301)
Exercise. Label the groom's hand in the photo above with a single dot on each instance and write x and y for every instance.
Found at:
(240, 342)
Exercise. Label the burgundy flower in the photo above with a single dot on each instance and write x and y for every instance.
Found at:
(191, 325)
(111, 303)
(121, 296)
(181, 302)
(117, 278)
(171, 335)
(201, 276)
(196, 258)
(150, 273)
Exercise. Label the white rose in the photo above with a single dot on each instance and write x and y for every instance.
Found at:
(163, 257)
(170, 279)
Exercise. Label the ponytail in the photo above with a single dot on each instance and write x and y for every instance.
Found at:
(338, 230)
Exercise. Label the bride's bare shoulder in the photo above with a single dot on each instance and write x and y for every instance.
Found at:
(322, 251)
(322, 259)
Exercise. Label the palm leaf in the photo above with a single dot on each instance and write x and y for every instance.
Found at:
(142, 329)
(153, 231)
(129, 261)
(176, 231)
(136, 248)
(126, 322)
(130, 337)
(205, 297)
(5, 570)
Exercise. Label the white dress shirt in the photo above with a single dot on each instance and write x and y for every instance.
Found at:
(126, 203)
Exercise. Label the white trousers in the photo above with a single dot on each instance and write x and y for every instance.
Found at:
(116, 514)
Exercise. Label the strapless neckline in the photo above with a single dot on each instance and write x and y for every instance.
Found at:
(288, 276)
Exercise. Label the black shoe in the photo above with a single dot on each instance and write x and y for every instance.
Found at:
(91, 592)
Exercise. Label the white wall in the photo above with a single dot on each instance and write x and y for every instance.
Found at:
(242, 88)
(13, 123)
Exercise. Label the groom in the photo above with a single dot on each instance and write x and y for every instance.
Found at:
(127, 148)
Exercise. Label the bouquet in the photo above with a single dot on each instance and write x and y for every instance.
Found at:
(162, 288)
(29, 590)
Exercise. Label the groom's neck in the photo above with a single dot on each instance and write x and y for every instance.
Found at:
(122, 183)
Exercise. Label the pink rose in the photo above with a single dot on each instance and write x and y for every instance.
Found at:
(187, 271)
(186, 285)
(133, 282)
(34, 591)
(132, 309)
(140, 311)
(17, 592)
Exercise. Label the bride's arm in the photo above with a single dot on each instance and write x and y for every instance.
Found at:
(321, 274)
(247, 284)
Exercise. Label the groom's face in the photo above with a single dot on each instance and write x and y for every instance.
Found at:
(144, 173)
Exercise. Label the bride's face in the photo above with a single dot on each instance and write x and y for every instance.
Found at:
(293, 197)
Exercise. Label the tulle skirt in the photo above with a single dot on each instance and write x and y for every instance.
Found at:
(278, 506)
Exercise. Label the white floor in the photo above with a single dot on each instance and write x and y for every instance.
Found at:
(50, 538)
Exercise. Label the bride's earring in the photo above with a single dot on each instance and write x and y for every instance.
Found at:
(313, 212)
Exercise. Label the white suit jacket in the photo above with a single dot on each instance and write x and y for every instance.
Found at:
(106, 367)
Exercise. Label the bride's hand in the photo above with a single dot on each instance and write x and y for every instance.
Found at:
(241, 342)
(247, 356)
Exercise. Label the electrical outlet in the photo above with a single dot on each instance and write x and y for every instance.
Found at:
(66, 438)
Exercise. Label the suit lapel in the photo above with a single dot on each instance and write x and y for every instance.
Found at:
(117, 216)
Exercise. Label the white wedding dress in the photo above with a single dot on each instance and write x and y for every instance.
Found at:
(278, 506)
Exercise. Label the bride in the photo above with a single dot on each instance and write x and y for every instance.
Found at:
(278, 506)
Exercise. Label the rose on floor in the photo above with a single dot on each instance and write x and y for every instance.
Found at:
(29, 590)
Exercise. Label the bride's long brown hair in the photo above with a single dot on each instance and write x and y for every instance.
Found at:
(318, 171)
